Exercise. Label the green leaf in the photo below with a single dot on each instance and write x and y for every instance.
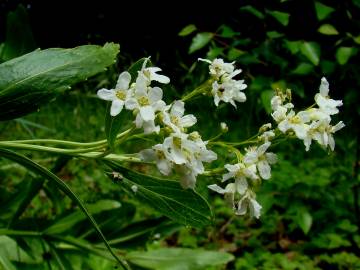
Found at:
(234, 53)
(343, 54)
(266, 98)
(328, 29)
(304, 220)
(274, 34)
(166, 196)
(311, 50)
(253, 11)
(228, 32)
(178, 259)
(41, 171)
(356, 39)
(114, 124)
(32, 80)
(187, 30)
(303, 69)
(63, 224)
(322, 11)
(199, 41)
(19, 39)
(5, 263)
(281, 17)
(292, 46)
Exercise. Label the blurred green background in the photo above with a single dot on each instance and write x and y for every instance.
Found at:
(311, 215)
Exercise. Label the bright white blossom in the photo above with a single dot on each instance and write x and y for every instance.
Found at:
(176, 120)
(310, 124)
(224, 87)
(119, 95)
(262, 160)
(149, 74)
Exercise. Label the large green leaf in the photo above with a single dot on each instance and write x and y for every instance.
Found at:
(311, 50)
(200, 40)
(65, 223)
(41, 171)
(33, 79)
(113, 124)
(166, 196)
(179, 259)
(19, 39)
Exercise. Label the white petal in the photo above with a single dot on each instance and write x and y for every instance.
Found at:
(123, 81)
(177, 108)
(188, 120)
(164, 166)
(131, 104)
(262, 148)
(324, 87)
(338, 126)
(255, 208)
(264, 169)
(138, 121)
(147, 155)
(106, 94)
(116, 107)
(155, 94)
(204, 60)
(271, 158)
(217, 189)
(241, 185)
(147, 113)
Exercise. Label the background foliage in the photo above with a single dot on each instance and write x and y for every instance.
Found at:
(310, 217)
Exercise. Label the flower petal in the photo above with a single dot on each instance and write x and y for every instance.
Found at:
(264, 169)
(147, 113)
(188, 120)
(106, 94)
(116, 107)
(123, 81)
(155, 94)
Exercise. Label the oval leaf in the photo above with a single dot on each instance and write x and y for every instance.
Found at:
(343, 54)
(199, 41)
(311, 50)
(33, 79)
(178, 258)
(187, 30)
(166, 196)
(328, 29)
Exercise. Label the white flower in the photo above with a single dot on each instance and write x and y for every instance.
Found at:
(149, 74)
(176, 119)
(157, 153)
(297, 123)
(262, 160)
(119, 95)
(228, 91)
(247, 200)
(325, 103)
(267, 136)
(147, 100)
(224, 87)
(241, 172)
(322, 132)
(189, 151)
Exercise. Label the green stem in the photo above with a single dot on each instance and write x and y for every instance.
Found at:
(68, 143)
(197, 91)
(47, 149)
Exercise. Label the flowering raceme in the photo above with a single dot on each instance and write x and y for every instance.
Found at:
(184, 153)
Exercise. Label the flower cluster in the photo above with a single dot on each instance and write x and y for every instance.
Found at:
(224, 87)
(252, 167)
(312, 123)
(185, 152)
(180, 151)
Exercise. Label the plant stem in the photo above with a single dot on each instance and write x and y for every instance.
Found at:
(200, 89)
